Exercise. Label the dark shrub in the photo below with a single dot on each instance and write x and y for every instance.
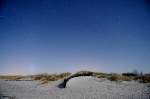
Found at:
(129, 74)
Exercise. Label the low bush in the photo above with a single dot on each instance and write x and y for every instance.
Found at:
(143, 79)
(129, 74)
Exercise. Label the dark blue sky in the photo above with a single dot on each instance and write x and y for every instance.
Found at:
(69, 35)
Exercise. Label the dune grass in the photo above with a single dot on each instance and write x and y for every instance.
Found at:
(16, 77)
(45, 78)
(117, 77)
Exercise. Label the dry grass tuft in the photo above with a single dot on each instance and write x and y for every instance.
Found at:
(11, 78)
(117, 77)
(45, 78)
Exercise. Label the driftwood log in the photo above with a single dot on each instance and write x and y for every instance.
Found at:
(81, 73)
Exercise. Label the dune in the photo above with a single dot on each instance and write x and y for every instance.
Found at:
(76, 88)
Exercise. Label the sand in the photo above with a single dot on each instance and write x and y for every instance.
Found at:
(77, 88)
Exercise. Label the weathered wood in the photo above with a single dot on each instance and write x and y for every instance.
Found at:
(81, 73)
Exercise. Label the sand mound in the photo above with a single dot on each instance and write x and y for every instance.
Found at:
(77, 88)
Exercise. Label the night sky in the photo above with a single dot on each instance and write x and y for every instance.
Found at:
(38, 36)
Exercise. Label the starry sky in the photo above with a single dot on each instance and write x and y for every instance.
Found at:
(38, 36)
